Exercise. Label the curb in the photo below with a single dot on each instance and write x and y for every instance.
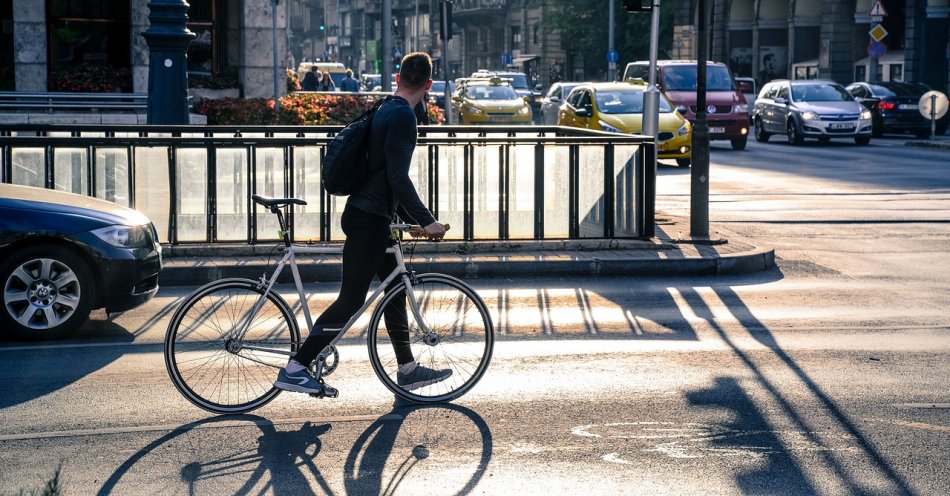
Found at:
(940, 145)
(324, 270)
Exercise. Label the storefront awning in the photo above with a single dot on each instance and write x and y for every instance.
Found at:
(522, 59)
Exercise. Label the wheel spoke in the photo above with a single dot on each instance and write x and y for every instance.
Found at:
(46, 269)
(16, 296)
(25, 277)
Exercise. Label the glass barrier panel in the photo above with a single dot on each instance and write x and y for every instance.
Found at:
(590, 191)
(70, 170)
(556, 191)
(112, 175)
(152, 192)
(521, 184)
(488, 161)
(191, 170)
(625, 187)
(270, 181)
(307, 188)
(28, 167)
(231, 198)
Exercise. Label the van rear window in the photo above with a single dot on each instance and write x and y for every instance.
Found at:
(683, 78)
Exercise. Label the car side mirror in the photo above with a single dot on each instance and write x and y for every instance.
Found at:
(527, 99)
(584, 112)
(745, 87)
(781, 101)
(455, 98)
(555, 98)
(537, 88)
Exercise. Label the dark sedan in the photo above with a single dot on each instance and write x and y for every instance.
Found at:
(894, 107)
(63, 255)
(437, 93)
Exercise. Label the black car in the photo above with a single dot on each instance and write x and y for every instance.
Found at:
(437, 93)
(894, 107)
(63, 255)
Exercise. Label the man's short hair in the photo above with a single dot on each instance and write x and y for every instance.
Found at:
(415, 70)
(349, 73)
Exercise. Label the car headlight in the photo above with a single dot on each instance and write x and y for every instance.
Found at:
(741, 108)
(684, 129)
(866, 115)
(123, 236)
(433, 99)
(607, 127)
(681, 109)
(474, 110)
(809, 116)
(524, 111)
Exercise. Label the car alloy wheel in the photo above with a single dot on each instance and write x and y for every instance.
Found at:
(794, 137)
(760, 135)
(47, 292)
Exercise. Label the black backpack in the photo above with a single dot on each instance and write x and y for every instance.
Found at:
(345, 166)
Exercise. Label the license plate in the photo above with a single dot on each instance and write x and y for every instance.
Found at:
(719, 130)
(907, 106)
(841, 125)
(501, 118)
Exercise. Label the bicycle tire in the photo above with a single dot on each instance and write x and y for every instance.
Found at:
(463, 338)
(205, 363)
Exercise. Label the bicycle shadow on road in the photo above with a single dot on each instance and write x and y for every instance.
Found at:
(417, 446)
(414, 446)
(814, 425)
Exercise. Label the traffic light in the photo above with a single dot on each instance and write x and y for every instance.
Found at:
(638, 5)
(445, 26)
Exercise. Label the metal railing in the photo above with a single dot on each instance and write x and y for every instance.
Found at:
(56, 101)
(195, 183)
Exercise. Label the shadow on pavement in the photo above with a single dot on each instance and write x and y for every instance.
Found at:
(808, 422)
(415, 446)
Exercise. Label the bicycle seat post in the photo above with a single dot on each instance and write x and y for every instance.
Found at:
(284, 234)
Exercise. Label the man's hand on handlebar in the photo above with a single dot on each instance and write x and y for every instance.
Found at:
(434, 231)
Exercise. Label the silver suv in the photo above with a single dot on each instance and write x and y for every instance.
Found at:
(809, 109)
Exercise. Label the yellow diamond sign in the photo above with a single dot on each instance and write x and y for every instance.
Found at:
(877, 32)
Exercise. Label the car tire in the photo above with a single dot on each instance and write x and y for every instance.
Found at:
(683, 162)
(739, 143)
(877, 127)
(794, 135)
(862, 140)
(760, 135)
(48, 292)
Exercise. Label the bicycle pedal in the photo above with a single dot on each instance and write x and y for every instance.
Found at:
(326, 392)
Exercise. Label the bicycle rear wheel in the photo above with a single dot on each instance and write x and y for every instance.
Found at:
(455, 335)
(211, 365)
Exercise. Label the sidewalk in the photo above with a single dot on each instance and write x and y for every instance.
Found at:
(941, 142)
(671, 252)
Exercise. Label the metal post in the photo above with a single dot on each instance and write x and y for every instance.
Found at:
(415, 29)
(699, 175)
(168, 39)
(276, 66)
(387, 45)
(612, 67)
(933, 117)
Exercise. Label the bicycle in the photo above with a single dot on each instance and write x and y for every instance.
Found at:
(226, 341)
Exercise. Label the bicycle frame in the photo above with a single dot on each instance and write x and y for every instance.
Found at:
(290, 258)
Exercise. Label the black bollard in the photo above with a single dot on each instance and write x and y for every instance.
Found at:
(168, 41)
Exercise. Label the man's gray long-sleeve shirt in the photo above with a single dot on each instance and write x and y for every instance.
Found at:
(391, 143)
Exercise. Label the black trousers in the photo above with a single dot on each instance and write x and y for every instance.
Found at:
(364, 257)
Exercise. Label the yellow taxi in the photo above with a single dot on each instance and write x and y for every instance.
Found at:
(489, 101)
(618, 108)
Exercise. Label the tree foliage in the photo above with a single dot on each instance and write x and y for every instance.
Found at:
(584, 30)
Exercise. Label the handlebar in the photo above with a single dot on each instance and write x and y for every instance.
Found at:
(414, 230)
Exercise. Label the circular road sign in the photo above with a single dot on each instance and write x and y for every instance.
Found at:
(933, 100)
(613, 56)
(876, 49)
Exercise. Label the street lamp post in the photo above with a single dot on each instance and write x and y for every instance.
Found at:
(699, 172)
(387, 45)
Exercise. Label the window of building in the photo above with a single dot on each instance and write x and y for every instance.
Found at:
(516, 37)
(89, 45)
(537, 34)
(201, 51)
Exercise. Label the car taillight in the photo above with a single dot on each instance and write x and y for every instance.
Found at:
(886, 105)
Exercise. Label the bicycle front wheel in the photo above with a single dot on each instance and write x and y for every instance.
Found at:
(217, 366)
(452, 343)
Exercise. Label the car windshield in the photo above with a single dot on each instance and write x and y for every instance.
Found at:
(625, 102)
(518, 81)
(565, 89)
(438, 87)
(683, 78)
(898, 89)
(485, 92)
(820, 93)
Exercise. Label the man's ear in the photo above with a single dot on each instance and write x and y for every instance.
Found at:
(429, 85)
(397, 79)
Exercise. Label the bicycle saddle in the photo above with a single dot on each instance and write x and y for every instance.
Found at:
(277, 202)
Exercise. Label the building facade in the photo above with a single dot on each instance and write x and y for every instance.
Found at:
(769, 39)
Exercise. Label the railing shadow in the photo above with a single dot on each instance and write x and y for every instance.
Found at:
(804, 419)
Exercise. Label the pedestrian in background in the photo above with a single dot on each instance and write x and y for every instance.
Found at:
(326, 83)
(350, 83)
(310, 80)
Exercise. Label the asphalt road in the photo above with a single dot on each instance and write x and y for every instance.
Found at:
(828, 374)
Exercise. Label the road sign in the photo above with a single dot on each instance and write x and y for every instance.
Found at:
(935, 101)
(878, 9)
(507, 59)
(876, 50)
(877, 32)
(613, 56)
